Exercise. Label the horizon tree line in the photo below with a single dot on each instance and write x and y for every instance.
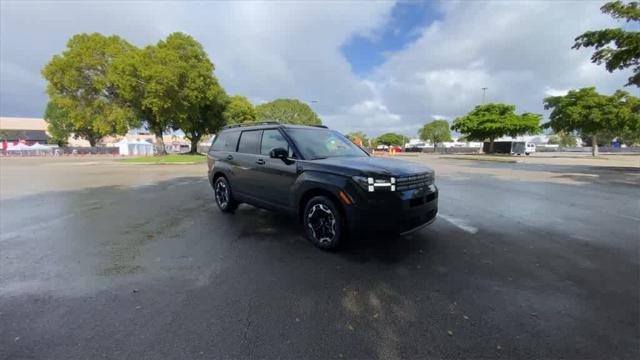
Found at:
(102, 86)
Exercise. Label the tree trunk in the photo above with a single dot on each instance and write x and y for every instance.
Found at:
(491, 140)
(160, 150)
(594, 146)
(92, 140)
(195, 139)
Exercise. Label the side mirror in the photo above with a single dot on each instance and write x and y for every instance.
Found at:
(279, 153)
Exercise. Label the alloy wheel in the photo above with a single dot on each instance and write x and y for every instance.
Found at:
(322, 223)
(222, 194)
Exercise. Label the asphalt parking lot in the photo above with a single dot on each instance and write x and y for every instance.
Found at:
(526, 261)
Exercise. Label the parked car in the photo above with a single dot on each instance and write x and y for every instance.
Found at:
(317, 175)
(388, 148)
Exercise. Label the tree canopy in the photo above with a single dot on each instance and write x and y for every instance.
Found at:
(81, 83)
(436, 131)
(171, 85)
(203, 99)
(617, 48)
(491, 121)
(59, 126)
(390, 139)
(288, 111)
(592, 114)
(239, 110)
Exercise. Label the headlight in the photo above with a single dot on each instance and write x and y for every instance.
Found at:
(371, 184)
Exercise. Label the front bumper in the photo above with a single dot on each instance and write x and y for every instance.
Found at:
(399, 212)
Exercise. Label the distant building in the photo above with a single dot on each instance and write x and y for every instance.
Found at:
(23, 130)
(33, 130)
(536, 139)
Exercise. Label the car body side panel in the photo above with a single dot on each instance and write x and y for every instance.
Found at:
(222, 162)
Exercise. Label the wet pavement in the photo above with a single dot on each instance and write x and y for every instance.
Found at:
(100, 260)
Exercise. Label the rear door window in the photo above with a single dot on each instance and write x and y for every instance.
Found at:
(250, 142)
(226, 141)
(272, 139)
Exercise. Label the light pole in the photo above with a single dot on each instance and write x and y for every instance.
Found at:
(484, 93)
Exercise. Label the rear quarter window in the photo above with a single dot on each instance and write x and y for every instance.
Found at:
(226, 141)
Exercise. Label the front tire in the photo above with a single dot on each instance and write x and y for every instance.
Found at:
(224, 196)
(323, 223)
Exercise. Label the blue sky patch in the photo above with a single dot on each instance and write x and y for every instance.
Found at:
(402, 28)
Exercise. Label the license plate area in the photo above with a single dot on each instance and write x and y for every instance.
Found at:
(418, 201)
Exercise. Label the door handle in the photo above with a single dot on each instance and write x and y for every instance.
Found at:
(260, 162)
(229, 157)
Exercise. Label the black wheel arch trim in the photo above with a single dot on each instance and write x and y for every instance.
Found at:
(310, 184)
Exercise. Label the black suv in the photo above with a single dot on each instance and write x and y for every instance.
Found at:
(330, 184)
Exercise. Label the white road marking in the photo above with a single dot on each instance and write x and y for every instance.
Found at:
(460, 223)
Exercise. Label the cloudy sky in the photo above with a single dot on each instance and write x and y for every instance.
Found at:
(372, 66)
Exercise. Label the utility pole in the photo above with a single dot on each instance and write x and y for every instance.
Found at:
(484, 93)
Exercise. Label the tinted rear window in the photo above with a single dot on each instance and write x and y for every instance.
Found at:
(250, 142)
(226, 141)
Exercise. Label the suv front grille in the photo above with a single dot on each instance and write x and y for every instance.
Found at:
(413, 182)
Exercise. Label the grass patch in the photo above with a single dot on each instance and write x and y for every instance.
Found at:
(168, 159)
(482, 158)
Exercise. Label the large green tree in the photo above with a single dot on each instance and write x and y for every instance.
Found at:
(204, 118)
(617, 48)
(171, 85)
(593, 115)
(491, 121)
(239, 110)
(288, 111)
(59, 125)
(203, 100)
(436, 131)
(391, 139)
(80, 81)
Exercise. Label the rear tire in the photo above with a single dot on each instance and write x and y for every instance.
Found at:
(323, 223)
(224, 195)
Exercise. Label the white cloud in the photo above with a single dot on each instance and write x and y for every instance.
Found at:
(263, 50)
(520, 50)
(549, 91)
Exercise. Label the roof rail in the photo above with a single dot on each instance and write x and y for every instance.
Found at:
(253, 123)
(321, 126)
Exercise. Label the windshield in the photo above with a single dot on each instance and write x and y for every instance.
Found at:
(322, 143)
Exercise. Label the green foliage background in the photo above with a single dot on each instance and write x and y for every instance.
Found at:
(437, 131)
(288, 111)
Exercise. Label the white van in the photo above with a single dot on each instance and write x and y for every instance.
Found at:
(520, 147)
(530, 148)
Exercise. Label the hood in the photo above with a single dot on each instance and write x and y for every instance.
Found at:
(370, 165)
